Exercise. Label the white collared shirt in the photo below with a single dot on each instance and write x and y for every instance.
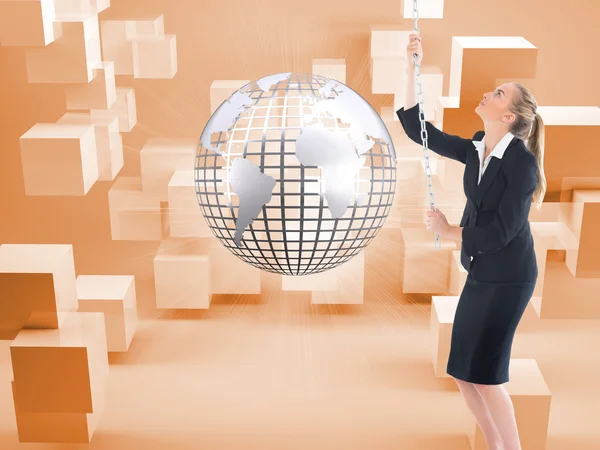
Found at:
(498, 151)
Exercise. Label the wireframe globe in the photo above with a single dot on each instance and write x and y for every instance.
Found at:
(295, 173)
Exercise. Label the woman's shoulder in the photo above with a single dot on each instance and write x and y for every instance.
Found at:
(519, 161)
(521, 154)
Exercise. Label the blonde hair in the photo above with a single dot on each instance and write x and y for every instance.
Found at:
(529, 127)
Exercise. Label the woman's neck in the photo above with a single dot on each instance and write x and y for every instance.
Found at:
(494, 132)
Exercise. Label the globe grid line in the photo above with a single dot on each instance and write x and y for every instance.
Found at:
(302, 175)
(321, 201)
(325, 254)
(263, 145)
(282, 173)
(321, 207)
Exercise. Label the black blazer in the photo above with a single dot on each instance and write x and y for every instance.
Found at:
(496, 230)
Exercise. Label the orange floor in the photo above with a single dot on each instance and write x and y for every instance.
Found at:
(274, 372)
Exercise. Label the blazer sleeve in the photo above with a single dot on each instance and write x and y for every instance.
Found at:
(512, 212)
(444, 144)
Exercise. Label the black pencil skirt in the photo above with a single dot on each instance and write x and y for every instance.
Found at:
(484, 326)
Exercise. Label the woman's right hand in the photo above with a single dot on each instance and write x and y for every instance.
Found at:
(414, 46)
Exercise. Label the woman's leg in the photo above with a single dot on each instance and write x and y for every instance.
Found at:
(479, 409)
(501, 408)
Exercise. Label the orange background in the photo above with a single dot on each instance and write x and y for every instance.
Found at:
(229, 39)
(248, 40)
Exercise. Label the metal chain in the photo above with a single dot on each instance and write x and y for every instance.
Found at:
(415, 14)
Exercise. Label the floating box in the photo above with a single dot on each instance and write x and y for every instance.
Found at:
(388, 41)
(532, 402)
(330, 68)
(443, 310)
(155, 57)
(28, 23)
(160, 158)
(350, 284)
(119, 39)
(582, 215)
(55, 427)
(100, 93)
(228, 273)
(37, 282)
(109, 146)
(476, 64)
(182, 274)
(143, 27)
(113, 295)
(124, 109)
(117, 46)
(134, 215)
(185, 215)
(432, 81)
(70, 59)
(388, 74)
(62, 370)
(426, 269)
(59, 159)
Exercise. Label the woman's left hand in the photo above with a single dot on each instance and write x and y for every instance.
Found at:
(436, 222)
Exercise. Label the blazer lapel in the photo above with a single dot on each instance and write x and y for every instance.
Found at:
(477, 191)
(486, 179)
(490, 172)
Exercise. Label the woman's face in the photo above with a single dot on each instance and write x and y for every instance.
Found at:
(494, 105)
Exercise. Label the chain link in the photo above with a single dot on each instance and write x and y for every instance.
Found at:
(415, 14)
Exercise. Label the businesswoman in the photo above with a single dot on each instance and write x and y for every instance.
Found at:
(503, 173)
